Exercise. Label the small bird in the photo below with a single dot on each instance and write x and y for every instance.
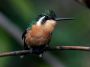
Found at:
(84, 2)
(38, 35)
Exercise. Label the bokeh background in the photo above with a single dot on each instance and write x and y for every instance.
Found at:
(16, 14)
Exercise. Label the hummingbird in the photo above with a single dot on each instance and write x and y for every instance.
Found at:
(84, 2)
(38, 35)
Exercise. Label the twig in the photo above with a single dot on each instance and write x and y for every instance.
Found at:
(24, 52)
(14, 53)
(82, 48)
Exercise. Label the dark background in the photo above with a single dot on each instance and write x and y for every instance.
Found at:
(16, 14)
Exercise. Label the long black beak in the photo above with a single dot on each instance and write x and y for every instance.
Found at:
(60, 19)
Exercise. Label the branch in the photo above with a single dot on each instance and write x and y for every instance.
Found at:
(15, 53)
(82, 48)
(25, 52)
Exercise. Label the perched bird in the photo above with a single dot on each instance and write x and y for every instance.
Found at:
(37, 36)
(84, 2)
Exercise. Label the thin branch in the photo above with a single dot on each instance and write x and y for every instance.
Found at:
(24, 52)
(15, 53)
(82, 48)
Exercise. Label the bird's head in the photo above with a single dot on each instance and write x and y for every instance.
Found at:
(49, 15)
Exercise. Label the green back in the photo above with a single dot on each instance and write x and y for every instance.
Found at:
(31, 23)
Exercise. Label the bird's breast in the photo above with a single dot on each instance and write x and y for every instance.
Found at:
(37, 36)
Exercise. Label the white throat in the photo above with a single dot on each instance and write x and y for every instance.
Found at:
(40, 20)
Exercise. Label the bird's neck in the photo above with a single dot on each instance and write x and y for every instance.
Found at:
(49, 25)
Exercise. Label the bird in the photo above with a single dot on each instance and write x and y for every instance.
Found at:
(38, 35)
(84, 2)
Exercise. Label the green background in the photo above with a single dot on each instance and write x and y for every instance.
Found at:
(73, 32)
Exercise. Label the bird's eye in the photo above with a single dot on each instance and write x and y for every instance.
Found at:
(46, 18)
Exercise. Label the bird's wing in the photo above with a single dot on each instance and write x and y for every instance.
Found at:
(23, 35)
(23, 38)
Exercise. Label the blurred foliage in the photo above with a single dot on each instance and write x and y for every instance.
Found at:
(74, 32)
